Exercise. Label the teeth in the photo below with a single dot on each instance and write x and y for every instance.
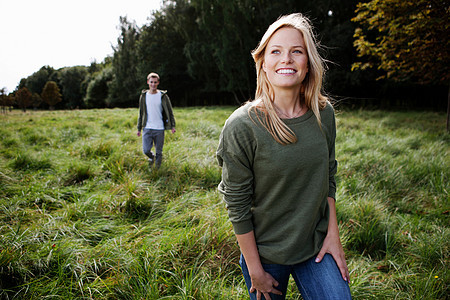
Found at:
(285, 71)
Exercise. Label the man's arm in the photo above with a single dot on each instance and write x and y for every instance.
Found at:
(170, 113)
(141, 114)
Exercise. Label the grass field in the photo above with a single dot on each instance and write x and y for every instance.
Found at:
(83, 217)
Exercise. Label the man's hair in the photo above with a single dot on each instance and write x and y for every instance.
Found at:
(153, 75)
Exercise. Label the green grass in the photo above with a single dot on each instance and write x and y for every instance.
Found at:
(83, 217)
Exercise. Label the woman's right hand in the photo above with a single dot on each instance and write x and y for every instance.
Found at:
(263, 283)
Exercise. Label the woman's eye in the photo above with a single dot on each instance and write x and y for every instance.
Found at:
(276, 51)
(297, 51)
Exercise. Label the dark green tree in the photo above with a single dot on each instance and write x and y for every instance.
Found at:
(125, 86)
(36, 81)
(93, 70)
(160, 49)
(36, 99)
(201, 48)
(224, 38)
(70, 79)
(98, 89)
(22, 84)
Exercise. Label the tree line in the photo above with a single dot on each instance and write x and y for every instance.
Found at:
(379, 52)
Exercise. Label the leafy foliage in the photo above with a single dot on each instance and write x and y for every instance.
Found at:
(124, 88)
(70, 79)
(36, 81)
(50, 94)
(97, 93)
(6, 101)
(201, 49)
(408, 40)
(161, 50)
(36, 99)
(23, 98)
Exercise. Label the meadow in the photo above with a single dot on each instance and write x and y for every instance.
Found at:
(83, 217)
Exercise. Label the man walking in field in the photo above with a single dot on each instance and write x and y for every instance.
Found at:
(155, 116)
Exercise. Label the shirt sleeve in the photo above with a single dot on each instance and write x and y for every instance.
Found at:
(332, 162)
(235, 156)
(170, 112)
(141, 113)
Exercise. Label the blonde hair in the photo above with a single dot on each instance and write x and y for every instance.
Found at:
(152, 75)
(310, 91)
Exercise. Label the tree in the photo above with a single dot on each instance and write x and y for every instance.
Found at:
(70, 79)
(36, 99)
(97, 93)
(125, 86)
(201, 48)
(23, 98)
(36, 81)
(51, 94)
(407, 40)
(6, 101)
(161, 50)
(224, 38)
(3, 96)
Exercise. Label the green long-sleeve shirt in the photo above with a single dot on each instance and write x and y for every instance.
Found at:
(279, 191)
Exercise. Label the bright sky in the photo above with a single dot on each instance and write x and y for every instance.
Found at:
(61, 33)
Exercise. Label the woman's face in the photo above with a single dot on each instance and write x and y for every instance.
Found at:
(286, 59)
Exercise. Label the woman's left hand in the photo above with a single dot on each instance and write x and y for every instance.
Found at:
(332, 243)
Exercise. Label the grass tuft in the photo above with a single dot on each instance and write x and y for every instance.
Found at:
(24, 161)
(78, 173)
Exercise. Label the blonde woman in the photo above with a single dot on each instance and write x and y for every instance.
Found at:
(278, 165)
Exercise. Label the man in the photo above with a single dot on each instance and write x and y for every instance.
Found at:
(155, 116)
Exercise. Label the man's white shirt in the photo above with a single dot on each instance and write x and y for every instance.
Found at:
(154, 111)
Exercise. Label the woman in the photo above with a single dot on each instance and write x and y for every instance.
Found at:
(278, 166)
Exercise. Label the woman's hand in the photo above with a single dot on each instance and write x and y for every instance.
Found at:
(332, 243)
(263, 283)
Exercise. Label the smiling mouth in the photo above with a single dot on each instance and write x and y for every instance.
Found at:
(286, 71)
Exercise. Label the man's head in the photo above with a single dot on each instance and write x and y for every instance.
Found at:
(153, 81)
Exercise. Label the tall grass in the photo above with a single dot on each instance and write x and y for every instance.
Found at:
(82, 216)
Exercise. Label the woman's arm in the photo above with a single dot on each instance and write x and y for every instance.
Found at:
(262, 282)
(332, 243)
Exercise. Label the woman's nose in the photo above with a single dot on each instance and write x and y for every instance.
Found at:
(287, 58)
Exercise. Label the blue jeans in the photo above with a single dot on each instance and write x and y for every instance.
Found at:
(314, 280)
(150, 137)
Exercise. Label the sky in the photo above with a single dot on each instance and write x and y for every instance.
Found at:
(61, 33)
